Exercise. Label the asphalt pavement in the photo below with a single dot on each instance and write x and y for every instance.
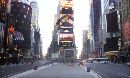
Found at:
(110, 70)
(6, 71)
(57, 71)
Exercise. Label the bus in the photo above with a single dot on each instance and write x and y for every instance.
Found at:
(98, 60)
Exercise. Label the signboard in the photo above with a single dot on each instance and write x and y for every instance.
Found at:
(66, 37)
(66, 4)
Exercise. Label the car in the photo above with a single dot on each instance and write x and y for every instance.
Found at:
(128, 63)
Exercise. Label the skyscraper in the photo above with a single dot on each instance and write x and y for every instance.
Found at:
(21, 16)
(35, 42)
(95, 18)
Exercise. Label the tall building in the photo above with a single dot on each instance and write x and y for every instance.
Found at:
(86, 44)
(3, 9)
(125, 18)
(66, 38)
(116, 27)
(34, 27)
(35, 14)
(2, 25)
(92, 27)
(3, 18)
(21, 16)
(124, 6)
(65, 23)
(37, 43)
(95, 19)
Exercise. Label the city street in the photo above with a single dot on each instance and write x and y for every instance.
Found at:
(58, 71)
(110, 70)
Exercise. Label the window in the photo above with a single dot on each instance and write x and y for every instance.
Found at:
(22, 21)
(24, 16)
(17, 5)
(28, 8)
(119, 5)
(0, 39)
(18, 15)
(16, 20)
(0, 27)
(27, 12)
(22, 10)
(23, 6)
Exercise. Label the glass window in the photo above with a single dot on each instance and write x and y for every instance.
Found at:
(21, 10)
(23, 6)
(0, 27)
(16, 20)
(22, 21)
(28, 8)
(17, 5)
(24, 16)
(27, 12)
(119, 5)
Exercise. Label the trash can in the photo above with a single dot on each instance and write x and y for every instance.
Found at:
(88, 69)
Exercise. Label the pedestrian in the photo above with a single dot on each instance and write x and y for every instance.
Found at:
(81, 63)
(88, 68)
(52, 62)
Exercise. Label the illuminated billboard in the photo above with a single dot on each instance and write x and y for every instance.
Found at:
(66, 11)
(66, 30)
(66, 20)
(66, 4)
(66, 37)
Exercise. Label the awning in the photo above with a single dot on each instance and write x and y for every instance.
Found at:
(111, 53)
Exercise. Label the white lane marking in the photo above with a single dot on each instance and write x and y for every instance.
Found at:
(124, 75)
(103, 75)
(29, 72)
(95, 74)
(92, 72)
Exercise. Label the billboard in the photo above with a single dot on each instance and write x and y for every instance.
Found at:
(66, 37)
(111, 44)
(66, 30)
(112, 22)
(66, 11)
(66, 20)
(66, 4)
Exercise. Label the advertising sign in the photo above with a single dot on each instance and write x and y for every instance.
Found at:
(66, 4)
(65, 37)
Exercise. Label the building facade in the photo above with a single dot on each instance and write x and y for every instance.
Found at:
(21, 13)
(2, 25)
(118, 30)
(95, 19)
(66, 38)
(86, 50)
(34, 27)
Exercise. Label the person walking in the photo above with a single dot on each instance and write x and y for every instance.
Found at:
(52, 62)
